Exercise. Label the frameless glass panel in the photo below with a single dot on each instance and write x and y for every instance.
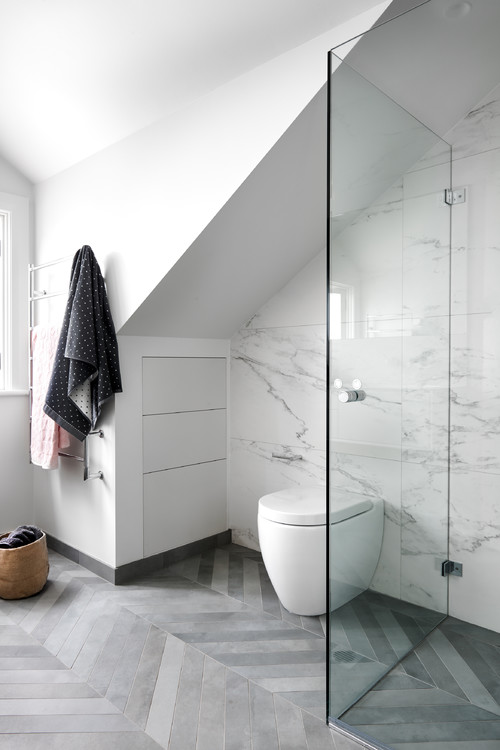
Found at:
(389, 248)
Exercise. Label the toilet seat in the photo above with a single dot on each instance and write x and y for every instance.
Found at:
(297, 506)
(306, 506)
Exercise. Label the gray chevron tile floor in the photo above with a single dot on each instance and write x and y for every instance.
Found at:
(201, 656)
(444, 696)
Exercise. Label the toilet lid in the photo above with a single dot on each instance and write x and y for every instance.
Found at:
(306, 506)
(298, 506)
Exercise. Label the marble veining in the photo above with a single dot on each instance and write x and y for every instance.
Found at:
(398, 343)
(278, 385)
(255, 471)
(480, 128)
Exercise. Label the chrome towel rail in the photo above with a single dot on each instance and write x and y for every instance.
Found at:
(35, 296)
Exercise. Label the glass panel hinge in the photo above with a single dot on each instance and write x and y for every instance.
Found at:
(452, 197)
(451, 568)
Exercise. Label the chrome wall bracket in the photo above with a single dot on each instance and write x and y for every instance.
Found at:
(86, 460)
(451, 568)
(452, 197)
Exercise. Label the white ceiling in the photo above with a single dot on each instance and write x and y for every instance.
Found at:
(79, 75)
(437, 61)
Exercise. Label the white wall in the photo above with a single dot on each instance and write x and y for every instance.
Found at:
(16, 484)
(142, 202)
(105, 518)
(16, 488)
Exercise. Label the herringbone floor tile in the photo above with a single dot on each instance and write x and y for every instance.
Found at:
(202, 656)
(443, 696)
(167, 661)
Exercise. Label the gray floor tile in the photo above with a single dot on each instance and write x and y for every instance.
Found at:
(67, 622)
(78, 741)
(237, 725)
(290, 725)
(262, 719)
(463, 674)
(184, 729)
(56, 706)
(468, 733)
(211, 717)
(220, 571)
(162, 708)
(66, 723)
(318, 735)
(124, 675)
(143, 688)
(186, 692)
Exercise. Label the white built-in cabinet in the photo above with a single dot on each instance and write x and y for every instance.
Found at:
(184, 450)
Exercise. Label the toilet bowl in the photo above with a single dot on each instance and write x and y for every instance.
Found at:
(292, 538)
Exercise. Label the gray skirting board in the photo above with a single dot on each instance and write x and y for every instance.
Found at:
(129, 571)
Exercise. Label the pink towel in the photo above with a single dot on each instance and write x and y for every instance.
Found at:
(47, 438)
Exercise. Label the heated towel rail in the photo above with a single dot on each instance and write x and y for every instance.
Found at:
(35, 295)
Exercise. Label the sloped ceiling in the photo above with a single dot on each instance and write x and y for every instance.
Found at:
(270, 228)
(437, 61)
(78, 75)
(276, 222)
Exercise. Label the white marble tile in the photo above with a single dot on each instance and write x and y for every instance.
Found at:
(377, 363)
(255, 472)
(375, 420)
(476, 235)
(479, 130)
(437, 155)
(373, 142)
(367, 257)
(429, 180)
(278, 386)
(376, 478)
(426, 256)
(387, 577)
(425, 395)
(424, 534)
(475, 393)
(475, 542)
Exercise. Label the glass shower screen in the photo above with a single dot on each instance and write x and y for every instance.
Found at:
(388, 382)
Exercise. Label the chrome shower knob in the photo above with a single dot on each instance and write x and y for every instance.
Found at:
(349, 394)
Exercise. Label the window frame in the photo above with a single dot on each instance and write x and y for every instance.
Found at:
(6, 299)
(345, 327)
(14, 291)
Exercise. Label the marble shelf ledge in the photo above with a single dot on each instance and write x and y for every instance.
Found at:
(371, 450)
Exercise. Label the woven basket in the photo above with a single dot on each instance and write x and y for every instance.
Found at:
(23, 570)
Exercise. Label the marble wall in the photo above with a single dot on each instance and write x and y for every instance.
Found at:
(395, 255)
(278, 399)
(475, 366)
(403, 344)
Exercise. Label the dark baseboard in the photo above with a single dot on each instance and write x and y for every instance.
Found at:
(129, 571)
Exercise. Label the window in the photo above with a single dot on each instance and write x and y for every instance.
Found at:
(6, 300)
(14, 259)
(341, 311)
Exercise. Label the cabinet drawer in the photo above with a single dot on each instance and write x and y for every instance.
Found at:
(194, 437)
(172, 384)
(183, 505)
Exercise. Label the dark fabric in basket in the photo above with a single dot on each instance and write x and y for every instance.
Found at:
(21, 536)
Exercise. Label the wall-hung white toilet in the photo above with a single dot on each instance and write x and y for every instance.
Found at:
(292, 538)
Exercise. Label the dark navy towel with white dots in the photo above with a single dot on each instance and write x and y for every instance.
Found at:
(86, 367)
